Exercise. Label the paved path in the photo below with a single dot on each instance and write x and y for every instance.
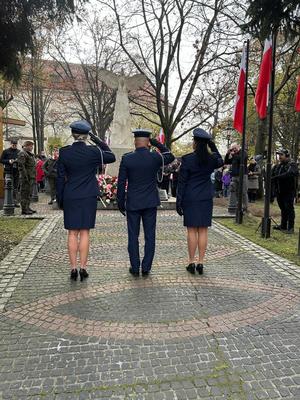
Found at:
(231, 334)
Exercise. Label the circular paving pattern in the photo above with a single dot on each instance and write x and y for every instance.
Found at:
(213, 253)
(257, 302)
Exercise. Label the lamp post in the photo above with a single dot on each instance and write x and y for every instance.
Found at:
(8, 206)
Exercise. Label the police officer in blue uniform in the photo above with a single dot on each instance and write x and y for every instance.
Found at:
(139, 169)
(77, 190)
(195, 193)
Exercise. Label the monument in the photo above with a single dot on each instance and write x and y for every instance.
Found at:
(121, 140)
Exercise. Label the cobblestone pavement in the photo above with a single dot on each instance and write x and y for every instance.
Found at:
(231, 334)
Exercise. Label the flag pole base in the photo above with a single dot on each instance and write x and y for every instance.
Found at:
(239, 217)
(266, 227)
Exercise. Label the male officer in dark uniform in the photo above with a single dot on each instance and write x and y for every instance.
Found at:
(26, 164)
(9, 160)
(284, 177)
(139, 169)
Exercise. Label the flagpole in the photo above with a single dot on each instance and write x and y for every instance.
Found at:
(266, 220)
(239, 211)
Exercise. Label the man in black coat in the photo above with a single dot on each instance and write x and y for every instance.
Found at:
(9, 160)
(284, 177)
(233, 158)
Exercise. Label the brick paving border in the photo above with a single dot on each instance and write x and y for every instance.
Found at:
(15, 264)
(40, 313)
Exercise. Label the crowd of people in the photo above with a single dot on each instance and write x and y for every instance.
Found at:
(26, 170)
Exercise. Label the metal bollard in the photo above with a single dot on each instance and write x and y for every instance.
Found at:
(9, 205)
(34, 194)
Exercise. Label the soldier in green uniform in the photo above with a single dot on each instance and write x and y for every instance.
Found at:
(26, 164)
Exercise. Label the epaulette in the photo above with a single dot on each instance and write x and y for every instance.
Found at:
(187, 155)
(126, 154)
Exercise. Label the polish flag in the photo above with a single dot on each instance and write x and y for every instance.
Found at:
(297, 102)
(238, 114)
(161, 136)
(262, 91)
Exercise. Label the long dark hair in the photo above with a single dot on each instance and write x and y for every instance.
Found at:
(201, 150)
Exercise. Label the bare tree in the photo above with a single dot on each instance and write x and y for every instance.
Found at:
(94, 101)
(174, 43)
(36, 91)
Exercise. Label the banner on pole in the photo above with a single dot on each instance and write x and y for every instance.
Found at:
(262, 91)
(238, 114)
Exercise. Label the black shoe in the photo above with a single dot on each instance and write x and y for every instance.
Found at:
(278, 228)
(145, 273)
(83, 274)
(50, 202)
(199, 269)
(133, 273)
(33, 211)
(74, 274)
(27, 212)
(289, 231)
(191, 268)
(17, 205)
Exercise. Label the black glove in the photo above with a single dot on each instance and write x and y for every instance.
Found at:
(212, 146)
(154, 142)
(95, 139)
(179, 210)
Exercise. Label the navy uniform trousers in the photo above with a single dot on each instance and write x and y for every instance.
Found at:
(148, 218)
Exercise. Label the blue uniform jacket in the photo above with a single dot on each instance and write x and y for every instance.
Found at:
(194, 182)
(76, 170)
(139, 169)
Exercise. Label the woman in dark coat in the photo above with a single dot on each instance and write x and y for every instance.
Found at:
(77, 190)
(195, 195)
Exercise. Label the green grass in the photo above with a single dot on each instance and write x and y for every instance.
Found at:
(12, 232)
(280, 243)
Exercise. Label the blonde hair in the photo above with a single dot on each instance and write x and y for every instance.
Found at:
(80, 136)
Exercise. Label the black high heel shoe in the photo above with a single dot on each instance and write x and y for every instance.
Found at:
(191, 268)
(199, 269)
(74, 274)
(83, 274)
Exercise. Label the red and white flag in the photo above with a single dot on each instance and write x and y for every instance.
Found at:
(297, 102)
(161, 136)
(238, 114)
(262, 91)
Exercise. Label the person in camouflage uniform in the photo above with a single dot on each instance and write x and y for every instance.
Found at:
(26, 163)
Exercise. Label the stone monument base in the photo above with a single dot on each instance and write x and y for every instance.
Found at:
(113, 169)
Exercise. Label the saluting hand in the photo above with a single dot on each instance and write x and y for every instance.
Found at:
(154, 142)
(212, 145)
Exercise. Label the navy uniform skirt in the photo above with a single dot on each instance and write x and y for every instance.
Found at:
(198, 214)
(80, 213)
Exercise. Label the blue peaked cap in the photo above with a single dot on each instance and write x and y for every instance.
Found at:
(81, 126)
(142, 133)
(201, 134)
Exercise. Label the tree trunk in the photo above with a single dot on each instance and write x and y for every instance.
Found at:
(260, 148)
(261, 140)
(297, 138)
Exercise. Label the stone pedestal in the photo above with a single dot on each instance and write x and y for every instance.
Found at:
(113, 169)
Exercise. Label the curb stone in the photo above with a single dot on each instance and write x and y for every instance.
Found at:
(279, 264)
(15, 264)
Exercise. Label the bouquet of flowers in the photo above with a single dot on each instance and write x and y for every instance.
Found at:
(108, 189)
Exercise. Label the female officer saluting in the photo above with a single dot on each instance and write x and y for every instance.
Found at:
(77, 190)
(195, 194)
